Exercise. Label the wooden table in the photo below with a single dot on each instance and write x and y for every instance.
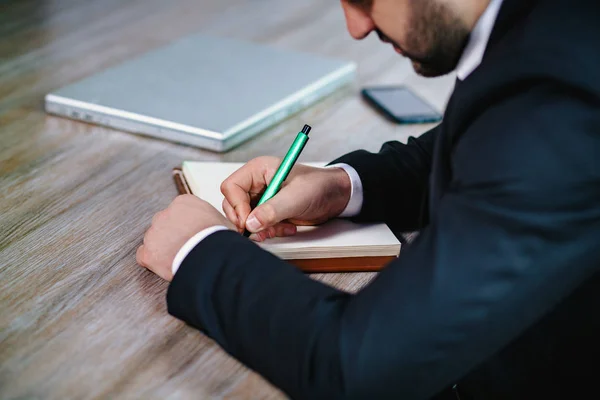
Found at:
(78, 318)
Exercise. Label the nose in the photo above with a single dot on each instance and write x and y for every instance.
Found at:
(358, 21)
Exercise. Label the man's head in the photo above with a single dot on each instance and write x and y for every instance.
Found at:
(431, 33)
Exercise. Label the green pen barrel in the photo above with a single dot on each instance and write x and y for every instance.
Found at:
(285, 167)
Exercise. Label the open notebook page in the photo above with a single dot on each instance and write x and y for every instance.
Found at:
(336, 238)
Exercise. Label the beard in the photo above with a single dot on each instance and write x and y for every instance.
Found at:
(435, 40)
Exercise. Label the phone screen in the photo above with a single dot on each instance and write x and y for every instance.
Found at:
(401, 104)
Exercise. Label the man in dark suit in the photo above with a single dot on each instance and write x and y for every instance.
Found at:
(498, 298)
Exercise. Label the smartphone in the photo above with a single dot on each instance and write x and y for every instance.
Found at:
(401, 105)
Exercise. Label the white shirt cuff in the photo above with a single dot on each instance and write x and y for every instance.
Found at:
(356, 192)
(191, 243)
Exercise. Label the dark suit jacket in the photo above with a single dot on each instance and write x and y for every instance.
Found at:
(499, 293)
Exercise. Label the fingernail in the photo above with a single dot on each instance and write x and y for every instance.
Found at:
(252, 224)
(289, 231)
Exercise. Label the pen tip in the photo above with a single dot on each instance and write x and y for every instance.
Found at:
(306, 129)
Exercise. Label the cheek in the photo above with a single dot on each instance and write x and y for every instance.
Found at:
(392, 18)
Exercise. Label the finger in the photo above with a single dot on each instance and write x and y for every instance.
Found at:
(231, 214)
(260, 236)
(149, 232)
(244, 187)
(236, 189)
(283, 206)
(140, 256)
(283, 229)
(156, 217)
(255, 237)
(239, 202)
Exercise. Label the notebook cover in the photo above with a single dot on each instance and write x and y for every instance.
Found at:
(318, 265)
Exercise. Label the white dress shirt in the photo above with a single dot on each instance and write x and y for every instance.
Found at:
(480, 35)
(469, 61)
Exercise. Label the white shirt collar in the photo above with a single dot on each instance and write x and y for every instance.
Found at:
(473, 53)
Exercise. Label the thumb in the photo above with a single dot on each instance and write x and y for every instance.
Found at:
(275, 210)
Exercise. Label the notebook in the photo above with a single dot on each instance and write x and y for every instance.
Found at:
(336, 246)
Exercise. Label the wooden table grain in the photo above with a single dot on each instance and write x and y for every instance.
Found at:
(78, 318)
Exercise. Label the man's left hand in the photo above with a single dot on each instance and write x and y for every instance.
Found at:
(171, 228)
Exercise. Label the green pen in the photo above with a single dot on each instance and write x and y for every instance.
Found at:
(284, 168)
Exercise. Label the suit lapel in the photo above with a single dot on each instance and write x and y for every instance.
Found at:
(441, 171)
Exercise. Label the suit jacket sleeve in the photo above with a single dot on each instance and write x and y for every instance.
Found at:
(516, 232)
(394, 181)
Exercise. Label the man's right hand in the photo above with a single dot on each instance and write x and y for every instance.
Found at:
(309, 196)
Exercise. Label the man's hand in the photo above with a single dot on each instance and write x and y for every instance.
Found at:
(171, 228)
(309, 196)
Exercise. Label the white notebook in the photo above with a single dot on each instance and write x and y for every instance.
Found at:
(334, 239)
